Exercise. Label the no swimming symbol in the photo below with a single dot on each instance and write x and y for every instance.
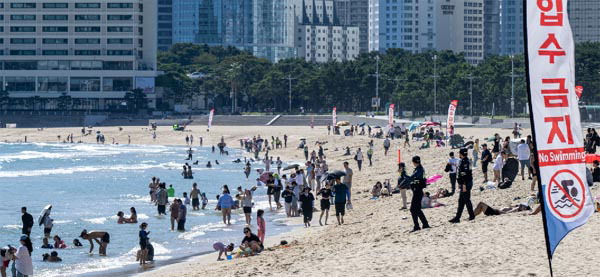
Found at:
(566, 195)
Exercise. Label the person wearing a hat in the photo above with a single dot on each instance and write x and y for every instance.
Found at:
(465, 180)
(23, 262)
(417, 181)
(307, 199)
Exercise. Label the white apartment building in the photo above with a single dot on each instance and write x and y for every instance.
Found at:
(406, 24)
(321, 37)
(460, 28)
(92, 51)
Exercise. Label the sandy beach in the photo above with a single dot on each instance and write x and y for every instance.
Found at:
(375, 239)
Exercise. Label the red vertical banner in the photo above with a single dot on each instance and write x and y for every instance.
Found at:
(556, 126)
(334, 117)
(391, 116)
(451, 113)
(578, 91)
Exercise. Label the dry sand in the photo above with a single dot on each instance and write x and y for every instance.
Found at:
(375, 239)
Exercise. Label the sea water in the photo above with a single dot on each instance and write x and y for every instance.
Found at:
(87, 184)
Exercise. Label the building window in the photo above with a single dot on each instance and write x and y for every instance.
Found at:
(119, 5)
(117, 84)
(56, 5)
(22, 5)
(90, 17)
(22, 41)
(87, 41)
(22, 52)
(53, 65)
(121, 17)
(52, 84)
(85, 84)
(118, 65)
(119, 29)
(20, 83)
(56, 17)
(55, 29)
(119, 41)
(86, 65)
(87, 5)
(87, 52)
(55, 52)
(55, 41)
(20, 65)
(22, 17)
(119, 52)
(22, 29)
(87, 29)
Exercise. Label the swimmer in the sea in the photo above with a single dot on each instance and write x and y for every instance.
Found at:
(101, 237)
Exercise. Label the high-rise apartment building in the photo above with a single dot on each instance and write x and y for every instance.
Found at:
(406, 24)
(584, 16)
(321, 36)
(165, 24)
(511, 27)
(274, 23)
(356, 13)
(93, 52)
(459, 27)
(491, 27)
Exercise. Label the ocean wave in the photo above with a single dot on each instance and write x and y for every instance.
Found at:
(80, 150)
(12, 226)
(71, 170)
(97, 220)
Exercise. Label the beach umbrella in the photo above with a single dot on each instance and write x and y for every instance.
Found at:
(302, 138)
(336, 174)
(264, 177)
(414, 125)
(362, 124)
(259, 140)
(45, 212)
(430, 124)
(377, 127)
(295, 166)
(434, 179)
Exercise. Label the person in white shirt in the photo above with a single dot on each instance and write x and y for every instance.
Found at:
(498, 164)
(359, 159)
(453, 163)
(523, 154)
(23, 262)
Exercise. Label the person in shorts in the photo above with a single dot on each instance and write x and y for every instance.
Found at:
(523, 153)
(486, 158)
(341, 194)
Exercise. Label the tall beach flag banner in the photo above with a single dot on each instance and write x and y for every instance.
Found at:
(334, 117)
(556, 127)
(451, 112)
(210, 118)
(391, 116)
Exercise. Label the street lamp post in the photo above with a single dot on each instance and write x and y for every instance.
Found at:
(435, 76)
(377, 75)
(289, 78)
(470, 78)
(512, 86)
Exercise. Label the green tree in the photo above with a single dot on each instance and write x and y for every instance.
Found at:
(136, 100)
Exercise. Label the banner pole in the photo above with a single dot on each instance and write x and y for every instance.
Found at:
(533, 137)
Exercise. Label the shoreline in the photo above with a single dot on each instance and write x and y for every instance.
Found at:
(375, 237)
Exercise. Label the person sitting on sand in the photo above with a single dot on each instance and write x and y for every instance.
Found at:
(101, 237)
(376, 191)
(347, 152)
(52, 257)
(223, 249)
(250, 245)
(59, 243)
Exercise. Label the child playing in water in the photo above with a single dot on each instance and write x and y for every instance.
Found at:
(204, 200)
(186, 199)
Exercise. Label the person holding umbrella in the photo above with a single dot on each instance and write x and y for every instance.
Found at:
(417, 181)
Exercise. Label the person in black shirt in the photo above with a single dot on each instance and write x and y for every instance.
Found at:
(251, 244)
(325, 202)
(417, 180)
(27, 221)
(486, 158)
(465, 180)
(496, 149)
(403, 183)
(596, 171)
(288, 197)
(307, 200)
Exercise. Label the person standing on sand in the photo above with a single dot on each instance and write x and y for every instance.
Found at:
(162, 199)
(475, 152)
(403, 183)
(386, 146)
(195, 195)
(348, 181)
(174, 210)
(341, 193)
(187, 140)
(370, 155)
(285, 140)
(486, 158)
(101, 237)
(496, 146)
(465, 180)
(359, 159)
(417, 181)
(307, 199)
(27, 220)
(261, 225)
(325, 202)
(225, 203)
(453, 170)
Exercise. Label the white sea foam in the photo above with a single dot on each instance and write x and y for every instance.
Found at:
(97, 220)
(12, 226)
(71, 170)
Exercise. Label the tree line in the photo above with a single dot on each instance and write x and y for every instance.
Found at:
(406, 79)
